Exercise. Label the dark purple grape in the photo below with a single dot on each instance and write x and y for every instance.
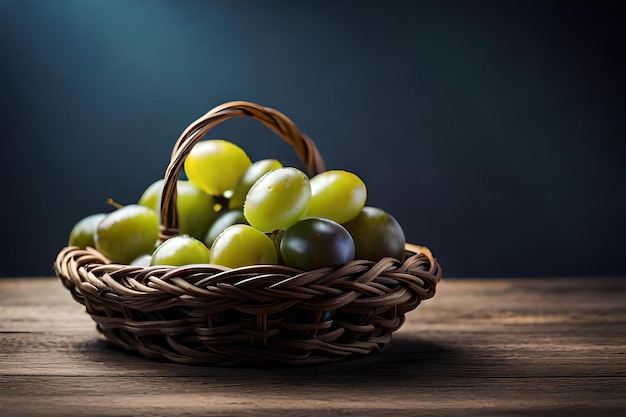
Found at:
(314, 243)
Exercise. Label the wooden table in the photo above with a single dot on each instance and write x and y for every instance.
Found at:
(505, 347)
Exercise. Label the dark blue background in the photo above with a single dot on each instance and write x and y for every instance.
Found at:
(492, 130)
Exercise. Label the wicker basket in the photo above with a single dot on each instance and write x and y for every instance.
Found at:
(264, 314)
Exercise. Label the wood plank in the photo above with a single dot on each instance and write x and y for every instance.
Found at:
(480, 347)
(123, 396)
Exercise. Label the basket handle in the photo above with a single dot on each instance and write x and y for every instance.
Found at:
(273, 119)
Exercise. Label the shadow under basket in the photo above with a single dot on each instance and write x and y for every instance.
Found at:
(262, 314)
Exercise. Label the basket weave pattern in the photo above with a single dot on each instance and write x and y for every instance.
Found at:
(262, 314)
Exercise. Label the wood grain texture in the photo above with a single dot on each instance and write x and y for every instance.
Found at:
(511, 347)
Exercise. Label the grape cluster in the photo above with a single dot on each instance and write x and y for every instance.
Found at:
(235, 212)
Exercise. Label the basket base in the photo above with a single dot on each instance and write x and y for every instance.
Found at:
(260, 315)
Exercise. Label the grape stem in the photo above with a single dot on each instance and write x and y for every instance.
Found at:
(114, 203)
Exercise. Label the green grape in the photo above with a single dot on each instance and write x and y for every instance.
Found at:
(336, 195)
(151, 196)
(278, 199)
(195, 207)
(315, 243)
(127, 232)
(83, 232)
(242, 245)
(216, 165)
(181, 250)
(376, 235)
(224, 219)
(252, 174)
